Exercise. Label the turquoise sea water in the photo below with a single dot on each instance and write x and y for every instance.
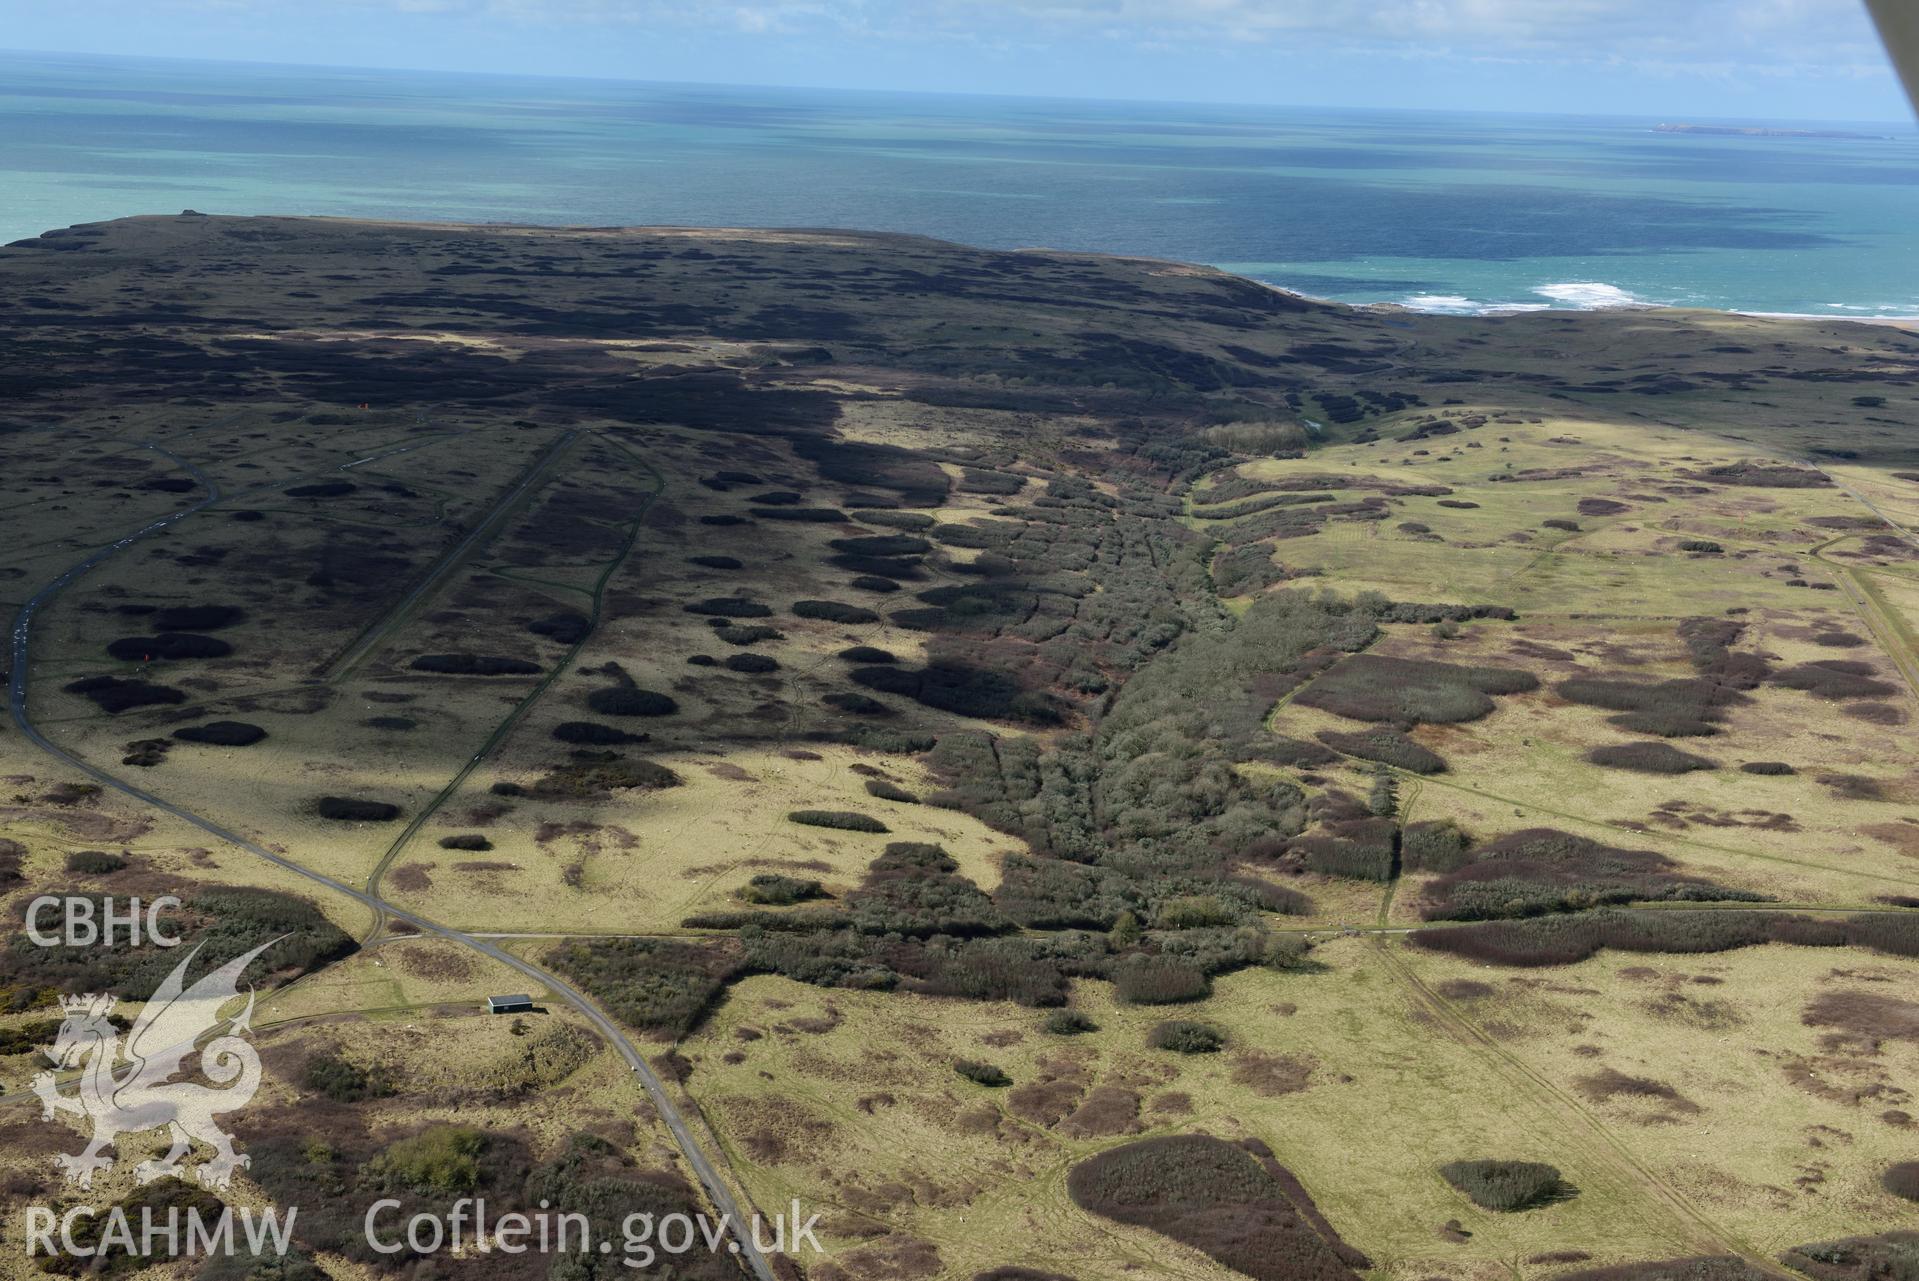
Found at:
(1442, 211)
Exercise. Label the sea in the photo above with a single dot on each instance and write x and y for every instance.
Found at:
(1439, 211)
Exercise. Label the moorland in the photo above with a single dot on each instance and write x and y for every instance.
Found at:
(1073, 767)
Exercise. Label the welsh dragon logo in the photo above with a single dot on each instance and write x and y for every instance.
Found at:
(128, 1089)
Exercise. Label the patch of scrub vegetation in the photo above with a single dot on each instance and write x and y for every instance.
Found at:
(1187, 1036)
(987, 1074)
(729, 607)
(226, 922)
(1506, 1186)
(1384, 747)
(94, 863)
(1231, 1202)
(588, 778)
(168, 647)
(221, 734)
(844, 820)
(771, 889)
(1648, 758)
(834, 611)
(1541, 870)
(655, 984)
(1406, 691)
(113, 695)
(351, 809)
(630, 700)
(344, 1081)
(593, 734)
(1571, 938)
(475, 665)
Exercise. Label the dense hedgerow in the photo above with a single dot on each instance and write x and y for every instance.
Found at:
(845, 820)
(1506, 1186)
(1648, 758)
(1566, 939)
(1235, 1205)
(1185, 1036)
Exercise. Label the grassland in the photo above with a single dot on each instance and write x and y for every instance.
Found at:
(533, 581)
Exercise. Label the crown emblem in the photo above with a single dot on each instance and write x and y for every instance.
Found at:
(91, 1006)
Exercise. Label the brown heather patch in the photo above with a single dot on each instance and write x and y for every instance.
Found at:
(1868, 1015)
(1106, 1111)
(1273, 1075)
(1609, 1084)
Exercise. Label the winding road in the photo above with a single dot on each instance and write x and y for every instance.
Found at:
(717, 1191)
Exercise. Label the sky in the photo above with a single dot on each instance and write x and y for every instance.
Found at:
(1682, 59)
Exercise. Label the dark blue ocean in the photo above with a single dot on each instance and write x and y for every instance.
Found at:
(1441, 211)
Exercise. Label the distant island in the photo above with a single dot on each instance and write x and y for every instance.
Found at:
(1738, 131)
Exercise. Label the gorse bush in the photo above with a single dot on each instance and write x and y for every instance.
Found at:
(1902, 1180)
(1069, 1023)
(625, 700)
(845, 820)
(344, 1081)
(442, 1159)
(833, 611)
(982, 1073)
(1385, 747)
(1141, 979)
(773, 889)
(1505, 1186)
(1436, 845)
(1184, 1036)
(1648, 758)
